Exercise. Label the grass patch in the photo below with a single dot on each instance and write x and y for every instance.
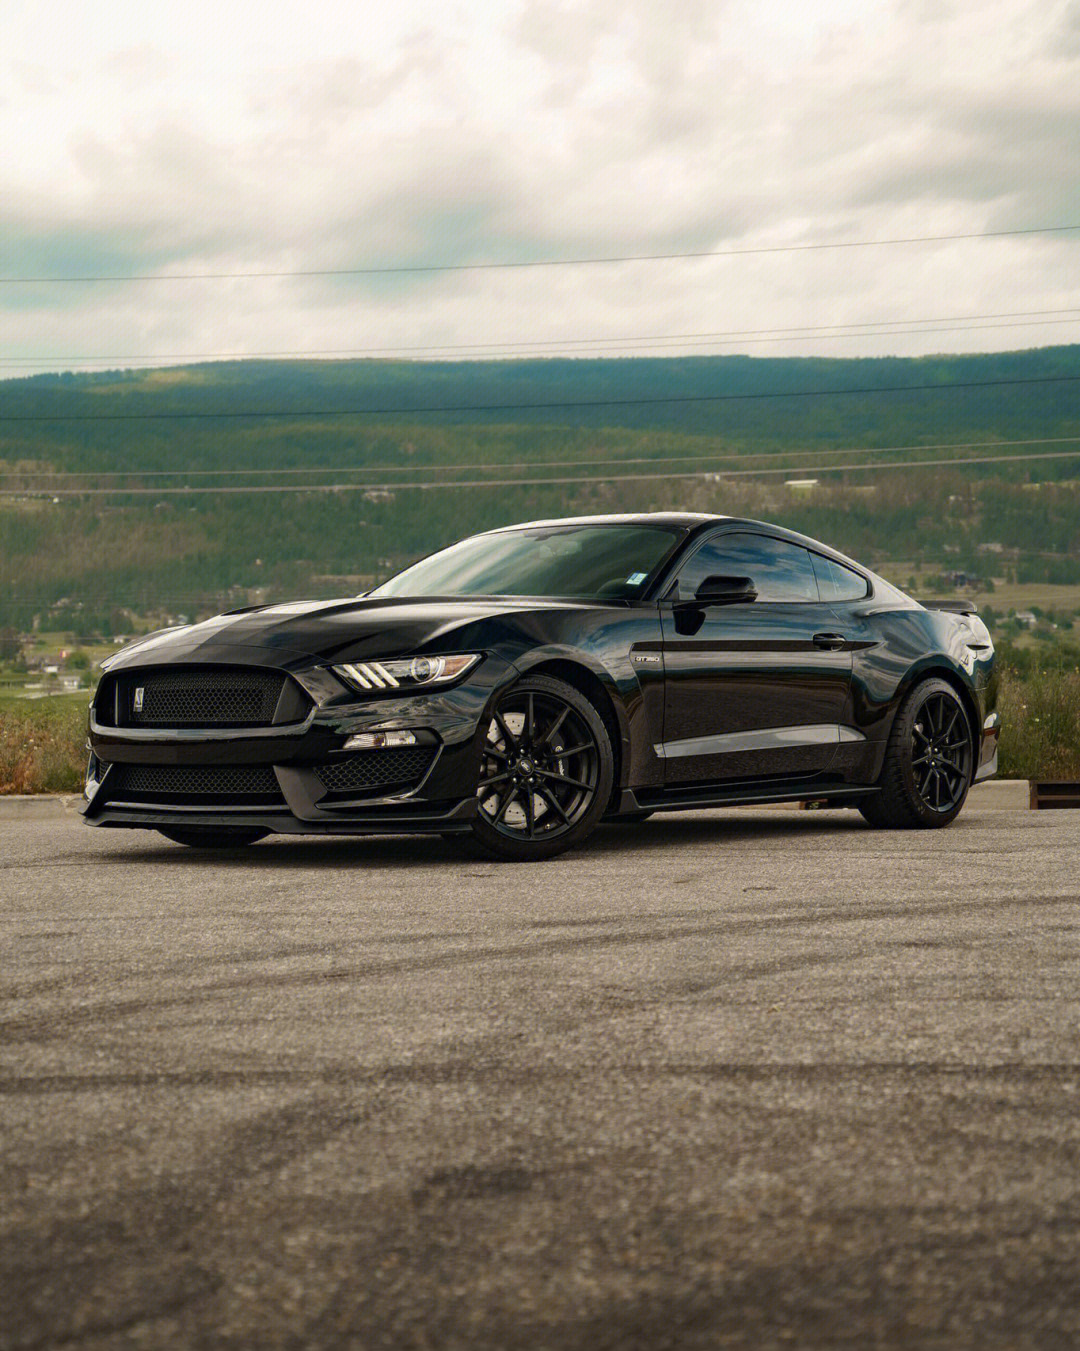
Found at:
(43, 744)
(1040, 716)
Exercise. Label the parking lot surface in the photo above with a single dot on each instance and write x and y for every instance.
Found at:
(749, 1079)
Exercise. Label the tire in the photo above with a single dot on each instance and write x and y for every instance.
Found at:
(212, 837)
(929, 762)
(546, 772)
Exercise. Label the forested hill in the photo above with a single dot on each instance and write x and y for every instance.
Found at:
(175, 490)
(274, 413)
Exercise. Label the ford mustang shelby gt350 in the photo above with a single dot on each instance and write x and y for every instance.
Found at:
(527, 683)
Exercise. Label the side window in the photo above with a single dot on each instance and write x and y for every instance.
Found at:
(835, 582)
(780, 571)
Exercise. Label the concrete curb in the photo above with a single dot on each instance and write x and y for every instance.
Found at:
(39, 806)
(1000, 795)
(1003, 795)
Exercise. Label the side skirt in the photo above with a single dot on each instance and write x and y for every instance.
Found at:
(741, 795)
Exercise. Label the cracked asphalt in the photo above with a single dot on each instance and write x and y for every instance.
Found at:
(729, 1079)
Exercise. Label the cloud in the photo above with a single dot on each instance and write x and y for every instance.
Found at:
(469, 132)
(1066, 43)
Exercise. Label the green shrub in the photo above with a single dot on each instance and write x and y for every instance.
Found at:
(1040, 715)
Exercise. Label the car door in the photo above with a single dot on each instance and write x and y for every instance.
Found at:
(752, 689)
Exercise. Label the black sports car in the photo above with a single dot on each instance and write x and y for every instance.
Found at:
(527, 683)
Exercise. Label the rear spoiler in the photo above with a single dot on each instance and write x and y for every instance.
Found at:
(956, 607)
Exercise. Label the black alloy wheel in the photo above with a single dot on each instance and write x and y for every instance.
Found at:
(929, 762)
(941, 752)
(546, 771)
(212, 837)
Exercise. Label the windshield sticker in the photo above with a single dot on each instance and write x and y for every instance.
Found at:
(635, 579)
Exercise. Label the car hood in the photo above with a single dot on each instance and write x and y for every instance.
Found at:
(336, 630)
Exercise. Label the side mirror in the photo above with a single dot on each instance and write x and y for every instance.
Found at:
(720, 591)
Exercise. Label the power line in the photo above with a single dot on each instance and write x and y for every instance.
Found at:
(705, 476)
(774, 335)
(533, 407)
(515, 464)
(534, 262)
(594, 349)
(800, 329)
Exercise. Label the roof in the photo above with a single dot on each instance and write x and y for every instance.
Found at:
(685, 519)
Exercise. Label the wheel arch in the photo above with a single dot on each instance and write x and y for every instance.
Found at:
(941, 669)
(588, 683)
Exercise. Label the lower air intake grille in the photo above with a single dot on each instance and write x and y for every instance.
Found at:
(205, 697)
(254, 785)
(396, 767)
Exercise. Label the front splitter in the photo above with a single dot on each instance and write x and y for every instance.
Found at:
(455, 818)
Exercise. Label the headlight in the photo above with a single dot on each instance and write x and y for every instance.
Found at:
(406, 674)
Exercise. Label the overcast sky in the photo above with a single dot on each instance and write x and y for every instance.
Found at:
(290, 137)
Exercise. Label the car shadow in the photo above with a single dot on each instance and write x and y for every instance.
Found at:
(424, 851)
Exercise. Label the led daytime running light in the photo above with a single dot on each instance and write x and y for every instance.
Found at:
(369, 675)
(405, 673)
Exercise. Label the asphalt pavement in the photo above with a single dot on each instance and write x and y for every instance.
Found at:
(730, 1079)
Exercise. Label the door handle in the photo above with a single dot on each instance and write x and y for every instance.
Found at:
(832, 642)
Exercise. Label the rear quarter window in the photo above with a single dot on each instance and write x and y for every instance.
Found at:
(836, 582)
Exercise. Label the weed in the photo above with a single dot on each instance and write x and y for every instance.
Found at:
(42, 746)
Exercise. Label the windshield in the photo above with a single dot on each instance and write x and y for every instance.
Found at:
(591, 562)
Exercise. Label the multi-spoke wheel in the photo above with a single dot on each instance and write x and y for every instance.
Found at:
(941, 752)
(546, 770)
(928, 763)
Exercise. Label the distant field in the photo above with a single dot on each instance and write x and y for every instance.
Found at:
(15, 691)
(52, 706)
(1005, 595)
(1024, 595)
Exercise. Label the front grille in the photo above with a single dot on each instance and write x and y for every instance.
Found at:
(240, 785)
(205, 697)
(396, 767)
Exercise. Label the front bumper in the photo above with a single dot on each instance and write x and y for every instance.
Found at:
(442, 797)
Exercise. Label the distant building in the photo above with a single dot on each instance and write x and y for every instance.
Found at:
(1026, 618)
(801, 485)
